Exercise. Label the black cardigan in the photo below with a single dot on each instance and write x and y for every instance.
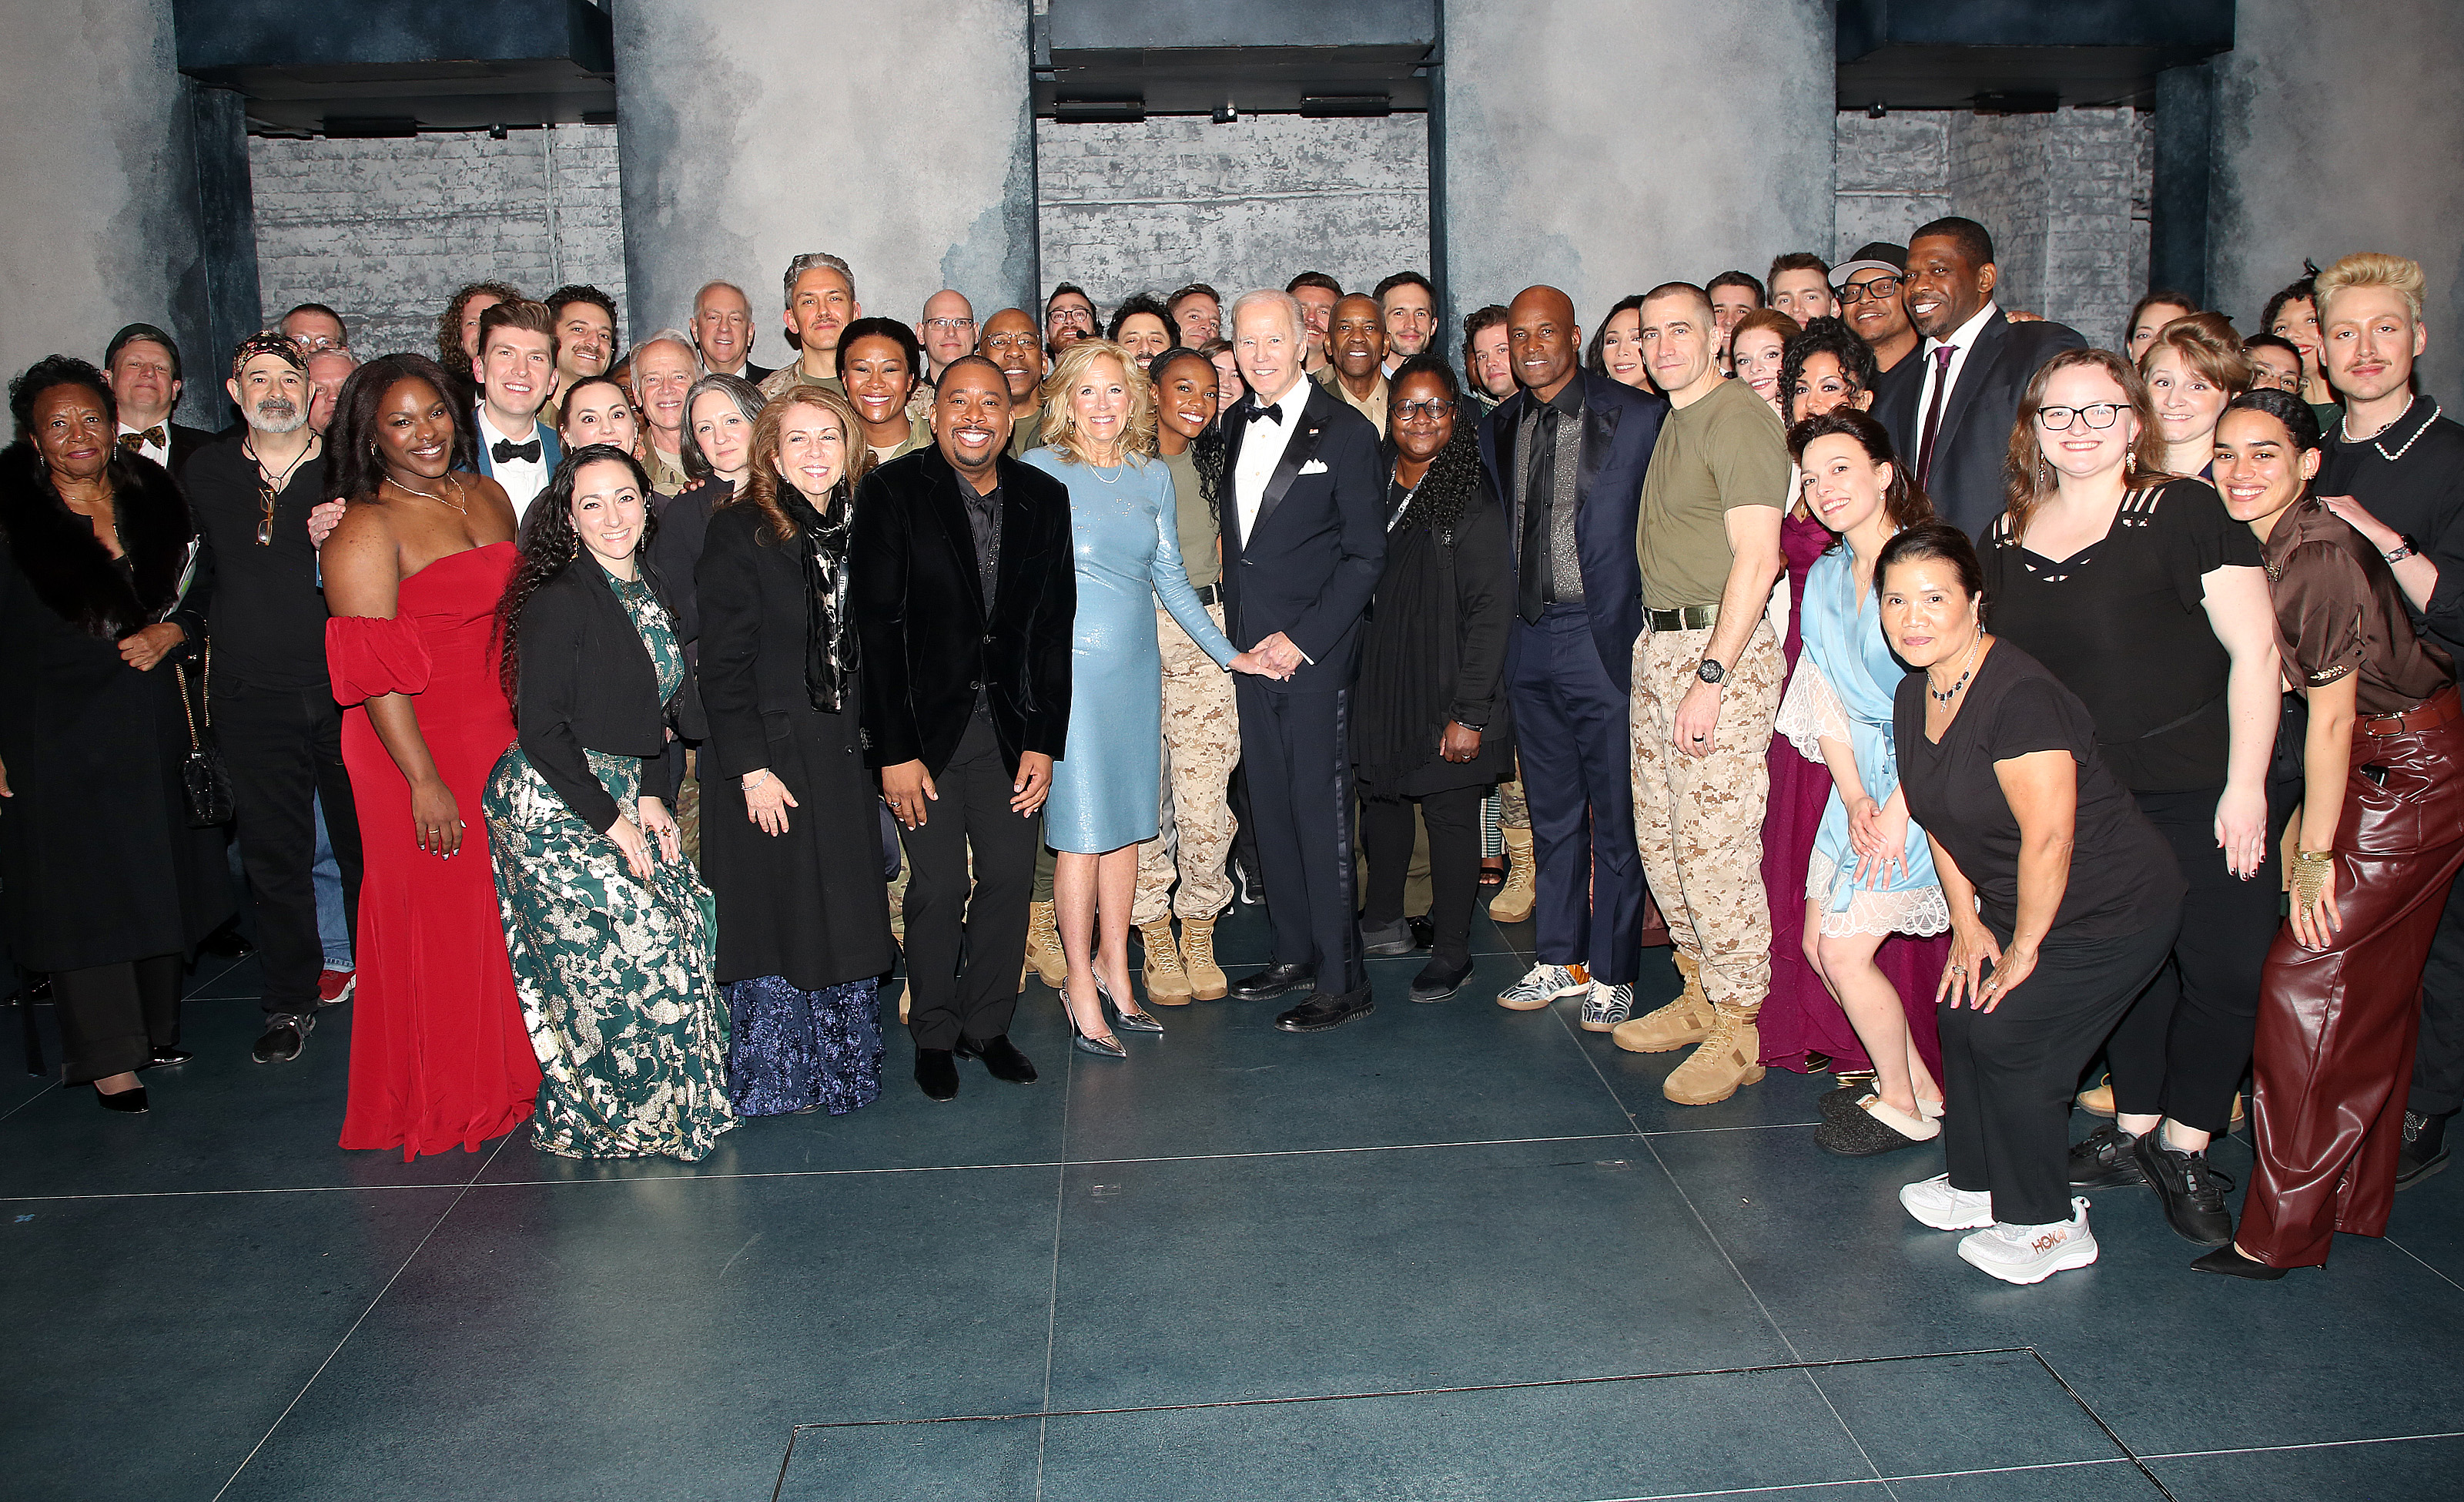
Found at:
(587, 684)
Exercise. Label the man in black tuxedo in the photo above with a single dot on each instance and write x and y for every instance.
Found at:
(1304, 542)
(141, 367)
(1567, 456)
(965, 595)
(1951, 414)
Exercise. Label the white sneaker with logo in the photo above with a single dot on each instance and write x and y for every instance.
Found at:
(2031, 1253)
(1934, 1203)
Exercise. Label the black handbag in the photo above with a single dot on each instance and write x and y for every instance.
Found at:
(204, 781)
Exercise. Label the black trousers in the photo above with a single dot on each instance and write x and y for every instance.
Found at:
(1296, 750)
(1453, 820)
(113, 1017)
(2438, 1058)
(2008, 1074)
(283, 747)
(967, 938)
(1245, 828)
(2181, 1049)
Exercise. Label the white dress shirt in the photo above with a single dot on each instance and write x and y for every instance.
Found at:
(1963, 339)
(159, 452)
(523, 478)
(1262, 449)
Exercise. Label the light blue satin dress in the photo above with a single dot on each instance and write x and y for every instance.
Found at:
(1126, 530)
(1845, 680)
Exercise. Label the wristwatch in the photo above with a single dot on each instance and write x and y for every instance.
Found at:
(2405, 547)
(1710, 672)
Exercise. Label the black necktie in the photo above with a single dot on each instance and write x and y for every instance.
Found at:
(1271, 413)
(506, 453)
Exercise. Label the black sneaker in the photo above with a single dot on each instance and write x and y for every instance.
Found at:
(2102, 1161)
(2192, 1192)
(284, 1036)
(2424, 1151)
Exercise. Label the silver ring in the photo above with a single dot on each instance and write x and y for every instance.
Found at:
(1959, 969)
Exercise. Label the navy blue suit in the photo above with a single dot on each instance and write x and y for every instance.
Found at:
(1308, 570)
(1567, 678)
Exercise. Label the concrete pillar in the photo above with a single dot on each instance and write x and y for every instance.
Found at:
(2177, 200)
(897, 137)
(99, 184)
(1608, 145)
(2339, 130)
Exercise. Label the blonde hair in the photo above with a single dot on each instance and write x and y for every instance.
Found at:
(1060, 426)
(2372, 269)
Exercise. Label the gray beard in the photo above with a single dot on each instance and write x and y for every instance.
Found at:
(258, 419)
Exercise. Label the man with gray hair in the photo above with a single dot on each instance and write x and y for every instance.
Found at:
(722, 330)
(664, 369)
(820, 302)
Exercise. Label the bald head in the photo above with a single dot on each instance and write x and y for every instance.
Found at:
(1014, 342)
(1542, 342)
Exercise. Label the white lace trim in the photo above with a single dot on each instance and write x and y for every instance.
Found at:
(1918, 911)
(1811, 712)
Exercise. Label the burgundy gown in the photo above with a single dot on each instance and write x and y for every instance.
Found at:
(439, 1054)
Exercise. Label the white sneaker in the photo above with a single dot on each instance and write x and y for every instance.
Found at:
(1934, 1203)
(2031, 1253)
(1606, 1006)
(1544, 984)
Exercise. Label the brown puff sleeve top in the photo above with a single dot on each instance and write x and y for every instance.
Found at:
(2338, 610)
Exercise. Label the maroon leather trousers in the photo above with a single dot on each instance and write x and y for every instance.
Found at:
(2336, 1025)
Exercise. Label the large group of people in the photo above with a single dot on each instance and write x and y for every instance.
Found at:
(1964, 705)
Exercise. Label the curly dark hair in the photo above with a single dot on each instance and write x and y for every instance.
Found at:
(1144, 303)
(1830, 337)
(1454, 475)
(449, 324)
(2305, 289)
(353, 469)
(49, 373)
(549, 544)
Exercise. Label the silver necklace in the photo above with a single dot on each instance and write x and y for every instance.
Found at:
(1943, 697)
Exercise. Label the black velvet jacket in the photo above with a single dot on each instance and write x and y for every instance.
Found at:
(587, 684)
(68, 567)
(928, 638)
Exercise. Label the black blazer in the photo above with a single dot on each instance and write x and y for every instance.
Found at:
(587, 684)
(930, 640)
(1975, 436)
(1318, 545)
(751, 659)
(186, 441)
(684, 525)
(1620, 430)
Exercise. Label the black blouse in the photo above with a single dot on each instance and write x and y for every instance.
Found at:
(2123, 624)
(2122, 875)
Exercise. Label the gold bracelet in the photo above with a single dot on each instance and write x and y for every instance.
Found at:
(2310, 870)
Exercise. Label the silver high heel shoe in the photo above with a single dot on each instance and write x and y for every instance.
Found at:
(1100, 1048)
(1130, 1018)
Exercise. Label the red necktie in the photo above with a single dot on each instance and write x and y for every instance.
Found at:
(1933, 411)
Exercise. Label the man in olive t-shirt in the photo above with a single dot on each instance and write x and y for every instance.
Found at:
(1706, 684)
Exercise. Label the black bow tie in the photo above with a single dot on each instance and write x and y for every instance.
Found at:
(506, 453)
(1270, 412)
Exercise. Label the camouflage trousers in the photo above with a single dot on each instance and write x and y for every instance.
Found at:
(1699, 820)
(1201, 740)
(1512, 813)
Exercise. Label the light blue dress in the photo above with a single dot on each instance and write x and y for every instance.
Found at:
(1126, 530)
(1843, 688)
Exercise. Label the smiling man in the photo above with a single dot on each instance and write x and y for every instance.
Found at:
(1409, 306)
(141, 367)
(515, 369)
(723, 331)
(820, 303)
(1317, 293)
(664, 369)
(1867, 286)
(1015, 346)
(585, 318)
(1356, 341)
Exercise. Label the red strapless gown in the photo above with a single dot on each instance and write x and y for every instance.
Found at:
(439, 1055)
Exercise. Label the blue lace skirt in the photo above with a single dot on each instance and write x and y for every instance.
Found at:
(794, 1051)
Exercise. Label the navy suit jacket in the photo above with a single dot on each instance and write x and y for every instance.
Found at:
(1318, 545)
(1975, 436)
(550, 452)
(1620, 428)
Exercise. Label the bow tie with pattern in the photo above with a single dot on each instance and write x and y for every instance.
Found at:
(1271, 413)
(149, 438)
(505, 452)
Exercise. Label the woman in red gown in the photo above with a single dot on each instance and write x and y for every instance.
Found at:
(439, 1054)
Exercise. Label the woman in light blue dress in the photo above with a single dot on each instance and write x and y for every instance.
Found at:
(1872, 872)
(1098, 435)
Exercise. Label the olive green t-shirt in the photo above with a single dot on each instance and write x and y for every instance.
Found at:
(1727, 450)
(1198, 533)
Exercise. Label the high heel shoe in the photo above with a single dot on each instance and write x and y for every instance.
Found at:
(1130, 1018)
(131, 1101)
(1100, 1048)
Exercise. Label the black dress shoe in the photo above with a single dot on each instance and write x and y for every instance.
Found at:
(1325, 1009)
(2424, 1150)
(166, 1058)
(284, 1036)
(227, 943)
(1001, 1058)
(2102, 1159)
(1273, 982)
(130, 1101)
(936, 1073)
(2192, 1193)
(2228, 1260)
(1386, 939)
(1439, 980)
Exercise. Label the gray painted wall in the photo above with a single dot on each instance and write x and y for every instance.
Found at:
(1150, 206)
(1605, 146)
(384, 232)
(897, 137)
(100, 183)
(2337, 133)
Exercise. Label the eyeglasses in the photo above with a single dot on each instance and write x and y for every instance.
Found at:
(319, 345)
(2060, 419)
(1009, 341)
(1416, 412)
(1878, 288)
(948, 325)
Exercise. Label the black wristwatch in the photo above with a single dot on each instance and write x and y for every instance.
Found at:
(1710, 672)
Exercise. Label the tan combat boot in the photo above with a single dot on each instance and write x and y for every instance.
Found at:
(1167, 979)
(1044, 953)
(1730, 1055)
(1207, 981)
(1513, 901)
(1685, 1020)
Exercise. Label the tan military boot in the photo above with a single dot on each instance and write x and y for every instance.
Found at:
(1688, 1019)
(1167, 979)
(1044, 953)
(1207, 981)
(1513, 901)
(1730, 1055)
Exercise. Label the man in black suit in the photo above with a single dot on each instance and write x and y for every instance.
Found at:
(965, 595)
(1567, 456)
(1304, 542)
(1951, 417)
(143, 367)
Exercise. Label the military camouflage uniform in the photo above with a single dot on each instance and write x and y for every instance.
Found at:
(1201, 740)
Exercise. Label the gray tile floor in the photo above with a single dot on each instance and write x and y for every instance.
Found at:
(1448, 1251)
